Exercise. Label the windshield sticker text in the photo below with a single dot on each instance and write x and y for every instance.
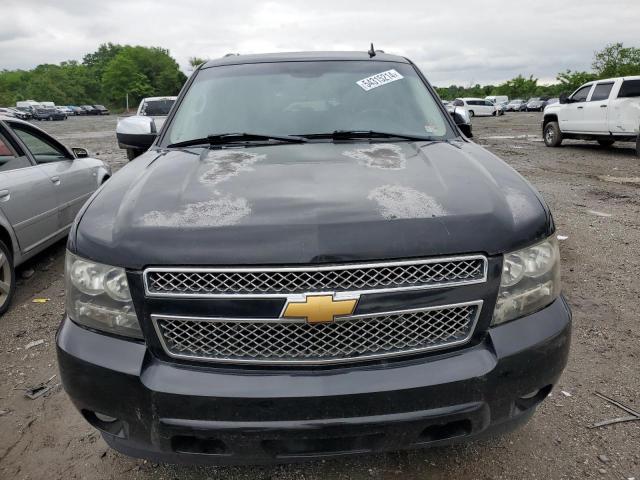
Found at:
(379, 79)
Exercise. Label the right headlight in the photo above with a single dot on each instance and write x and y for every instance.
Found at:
(98, 297)
(530, 281)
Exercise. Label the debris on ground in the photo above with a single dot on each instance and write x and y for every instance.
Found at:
(4, 412)
(40, 300)
(603, 458)
(33, 344)
(635, 416)
(599, 214)
(565, 393)
(562, 237)
(39, 390)
(28, 273)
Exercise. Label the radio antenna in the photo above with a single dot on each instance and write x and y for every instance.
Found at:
(371, 52)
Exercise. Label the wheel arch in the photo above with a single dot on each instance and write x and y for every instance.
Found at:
(8, 238)
(551, 117)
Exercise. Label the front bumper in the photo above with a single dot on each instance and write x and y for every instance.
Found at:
(205, 414)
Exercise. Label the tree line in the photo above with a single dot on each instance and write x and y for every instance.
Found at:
(110, 73)
(105, 76)
(615, 60)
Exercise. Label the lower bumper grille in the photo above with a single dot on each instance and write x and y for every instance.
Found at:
(275, 341)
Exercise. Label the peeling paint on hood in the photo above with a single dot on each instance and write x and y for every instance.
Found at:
(226, 164)
(386, 156)
(397, 201)
(220, 211)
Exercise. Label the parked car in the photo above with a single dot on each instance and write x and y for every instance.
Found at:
(476, 106)
(28, 105)
(22, 115)
(43, 185)
(536, 104)
(552, 101)
(66, 110)
(606, 111)
(48, 113)
(348, 274)
(101, 109)
(78, 110)
(497, 99)
(517, 105)
(89, 110)
(7, 112)
(134, 132)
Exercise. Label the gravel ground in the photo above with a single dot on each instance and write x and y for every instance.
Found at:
(595, 195)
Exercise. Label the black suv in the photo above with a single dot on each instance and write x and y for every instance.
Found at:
(310, 260)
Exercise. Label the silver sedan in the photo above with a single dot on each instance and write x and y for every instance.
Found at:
(43, 185)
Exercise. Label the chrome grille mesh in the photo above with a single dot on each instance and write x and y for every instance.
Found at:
(355, 338)
(313, 279)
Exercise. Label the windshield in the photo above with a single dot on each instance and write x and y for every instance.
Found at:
(157, 108)
(304, 98)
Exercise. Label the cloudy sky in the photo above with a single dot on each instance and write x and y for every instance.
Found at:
(463, 42)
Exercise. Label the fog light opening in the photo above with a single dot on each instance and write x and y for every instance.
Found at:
(532, 399)
(105, 418)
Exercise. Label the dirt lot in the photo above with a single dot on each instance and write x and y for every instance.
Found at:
(595, 195)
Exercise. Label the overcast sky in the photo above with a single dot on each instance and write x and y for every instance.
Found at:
(462, 42)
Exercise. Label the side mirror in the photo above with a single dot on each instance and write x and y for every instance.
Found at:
(79, 152)
(463, 122)
(564, 98)
(137, 132)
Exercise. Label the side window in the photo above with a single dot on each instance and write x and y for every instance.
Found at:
(629, 88)
(42, 149)
(581, 94)
(601, 92)
(9, 159)
(487, 103)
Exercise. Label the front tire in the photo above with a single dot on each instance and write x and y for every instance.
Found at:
(7, 278)
(552, 134)
(471, 114)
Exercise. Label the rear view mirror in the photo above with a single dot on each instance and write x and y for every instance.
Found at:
(137, 132)
(564, 98)
(462, 120)
(79, 152)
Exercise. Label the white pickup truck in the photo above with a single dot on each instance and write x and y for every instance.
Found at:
(606, 111)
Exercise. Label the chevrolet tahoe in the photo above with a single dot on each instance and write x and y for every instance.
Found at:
(311, 259)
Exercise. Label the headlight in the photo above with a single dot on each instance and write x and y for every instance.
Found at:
(530, 281)
(98, 297)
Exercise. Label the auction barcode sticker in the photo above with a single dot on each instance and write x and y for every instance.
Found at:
(379, 79)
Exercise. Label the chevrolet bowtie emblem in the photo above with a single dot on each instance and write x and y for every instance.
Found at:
(319, 308)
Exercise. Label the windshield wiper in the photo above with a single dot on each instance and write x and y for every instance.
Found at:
(351, 134)
(227, 138)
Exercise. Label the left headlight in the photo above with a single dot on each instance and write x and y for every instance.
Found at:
(98, 297)
(530, 281)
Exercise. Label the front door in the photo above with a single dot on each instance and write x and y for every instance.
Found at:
(572, 115)
(596, 110)
(27, 196)
(71, 179)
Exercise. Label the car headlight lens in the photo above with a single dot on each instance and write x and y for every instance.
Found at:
(530, 281)
(98, 297)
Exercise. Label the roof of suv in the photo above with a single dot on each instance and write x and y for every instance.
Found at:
(302, 57)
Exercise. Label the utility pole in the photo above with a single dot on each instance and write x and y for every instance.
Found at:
(127, 99)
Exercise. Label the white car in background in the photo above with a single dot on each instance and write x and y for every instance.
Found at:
(137, 133)
(605, 111)
(476, 107)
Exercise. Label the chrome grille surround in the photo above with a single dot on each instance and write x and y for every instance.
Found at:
(292, 341)
(288, 281)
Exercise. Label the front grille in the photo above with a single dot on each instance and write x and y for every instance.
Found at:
(274, 281)
(349, 339)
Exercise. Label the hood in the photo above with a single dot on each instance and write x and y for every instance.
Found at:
(309, 203)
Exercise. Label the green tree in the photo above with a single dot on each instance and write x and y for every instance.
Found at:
(121, 77)
(616, 60)
(195, 62)
(569, 80)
